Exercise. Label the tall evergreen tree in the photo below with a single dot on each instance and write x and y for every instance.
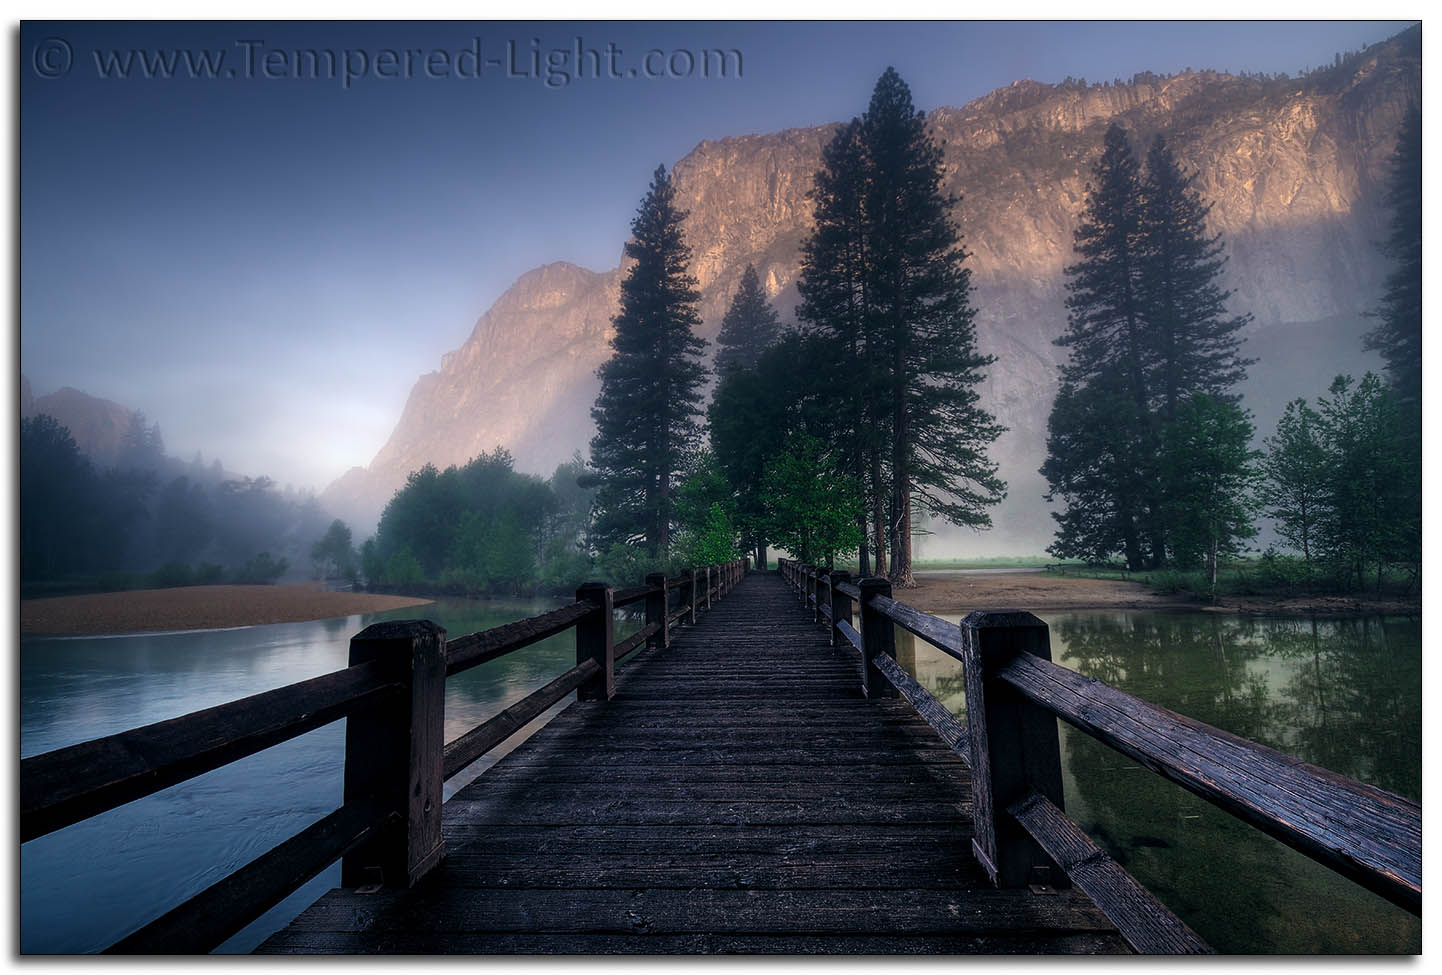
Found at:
(749, 327)
(1192, 342)
(1294, 469)
(884, 281)
(1105, 377)
(1398, 334)
(651, 386)
(835, 274)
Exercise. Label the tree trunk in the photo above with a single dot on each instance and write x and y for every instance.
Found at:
(878, 516)
(1212, 567)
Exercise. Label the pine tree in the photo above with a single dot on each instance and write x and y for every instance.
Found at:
(651, 386)
(1294, 469)
(1398, 334)
(749, 327)
(884, 283)
(1105, 379)
(1192, 342)
(835, 273)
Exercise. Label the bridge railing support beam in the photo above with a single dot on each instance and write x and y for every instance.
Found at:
(393, 753)
(691, 575)
(657, 610)
(595, 640)
(840, 607)
(1014, 749)
(876, 638)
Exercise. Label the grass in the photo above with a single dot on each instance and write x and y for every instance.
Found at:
(1261, 576)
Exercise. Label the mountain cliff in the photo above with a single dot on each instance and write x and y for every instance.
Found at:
(1295, 168)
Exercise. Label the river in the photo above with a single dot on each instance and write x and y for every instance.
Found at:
(1342, 694)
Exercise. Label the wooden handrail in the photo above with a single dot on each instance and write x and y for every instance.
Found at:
(1362, 832)
(389, 825)
(71, 784)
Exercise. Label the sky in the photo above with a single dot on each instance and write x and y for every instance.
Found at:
(264, 261)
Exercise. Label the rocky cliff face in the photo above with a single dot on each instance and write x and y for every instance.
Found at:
(1295, 170)
(98, 426)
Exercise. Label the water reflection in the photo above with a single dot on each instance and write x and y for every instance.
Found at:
(1342, 694)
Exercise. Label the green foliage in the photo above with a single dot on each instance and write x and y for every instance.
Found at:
(710, 542)
(171, 575)
(260, 570)
(1208, 473)
(1147, 329)
(749, 328)
(813, 510)
(564, 568)
(332, 554)
(1294, 471)
(627, 565)
(481, 526)
(651, 386)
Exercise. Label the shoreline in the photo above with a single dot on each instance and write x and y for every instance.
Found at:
(1039, 592)
(196, 608)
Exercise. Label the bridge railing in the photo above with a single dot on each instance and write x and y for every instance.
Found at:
(1015, 693)
(388, 829)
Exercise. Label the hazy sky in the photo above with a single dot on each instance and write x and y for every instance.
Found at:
(265, 261)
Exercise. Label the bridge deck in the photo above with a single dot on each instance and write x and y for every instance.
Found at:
(737, 795)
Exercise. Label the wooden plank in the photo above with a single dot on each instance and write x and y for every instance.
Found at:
(938, 632)
(625, 597)
(73, 783)
(465, 652)
(1144, 921)
(206, 920)
(942, 721)
(1365, 833)
(481, 739)
(635, 641)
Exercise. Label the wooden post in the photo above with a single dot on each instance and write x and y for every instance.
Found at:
(656, 605)
(691, 574)
(708, 587)
(840, 608)
(393, 752)
(820, 583)
(595, 641)
(876, 637)
(1014, 748)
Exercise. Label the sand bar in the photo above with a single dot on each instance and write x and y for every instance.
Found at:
(197, 608)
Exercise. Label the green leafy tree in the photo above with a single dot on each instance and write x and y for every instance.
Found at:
(1293, 489)
(651, 386)
(1209, 473)
(182, 521)
(1372, 516)
(332, 553)
(1398, 333)
(749, 327)
(372, 564)
(812, 506)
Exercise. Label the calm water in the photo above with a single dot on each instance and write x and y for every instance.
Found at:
(1342, 694)
(85, 886)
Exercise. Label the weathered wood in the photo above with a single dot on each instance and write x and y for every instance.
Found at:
(488, 734)
(1144, 921)
(625, 597)
(393, 752)
(1014, 747)
(840, 609)
(850, 634)
(69, 784)
(595, 641)
(876, 638)
(679, 614)
(206, 920)
(636, 641)
(465, 652)
(656, 611)
(735, 792)
(692, 574)
(938, 632)
(942, 721)
(1365, 833)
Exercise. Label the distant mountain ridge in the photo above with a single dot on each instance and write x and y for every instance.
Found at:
(1295, 169)
(98, 426)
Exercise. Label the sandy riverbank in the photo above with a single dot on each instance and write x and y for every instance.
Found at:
(1039, 592)
(197, 608)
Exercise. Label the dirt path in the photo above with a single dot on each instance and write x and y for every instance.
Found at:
(960, 593)
(197, 608)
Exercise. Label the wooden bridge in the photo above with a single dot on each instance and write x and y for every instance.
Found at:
(751, 771)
